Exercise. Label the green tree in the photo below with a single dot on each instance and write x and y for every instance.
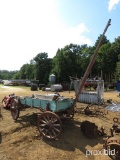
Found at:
(67, 62)
(104, 40)
(118, 70)
(23, 73)
(116, 49)
(4, 74)
(42, 67)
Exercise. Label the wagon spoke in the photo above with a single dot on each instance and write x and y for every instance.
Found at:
(56, 125)
(54, 120)
(46, 132)
(46, 120)
(42, 125)
(54, 132)
(56, 129)
(48, 117)
(51, 135)
(42, 129)
(43, 121)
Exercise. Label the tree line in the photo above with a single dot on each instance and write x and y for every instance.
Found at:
(72, 60)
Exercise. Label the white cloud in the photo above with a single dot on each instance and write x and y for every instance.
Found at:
(112, 4)
(74, 35)
(29, 27)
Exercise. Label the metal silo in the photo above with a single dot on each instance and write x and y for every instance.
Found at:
(52, 78)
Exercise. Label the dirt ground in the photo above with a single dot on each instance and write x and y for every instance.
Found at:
(20, 140)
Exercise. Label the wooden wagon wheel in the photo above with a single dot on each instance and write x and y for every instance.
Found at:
(5, 103)
(49, 125)
(15, 111)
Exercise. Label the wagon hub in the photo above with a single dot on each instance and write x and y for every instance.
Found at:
(49, 125)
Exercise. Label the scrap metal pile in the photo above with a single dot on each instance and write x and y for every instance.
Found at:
(112, 142)
(92, 110)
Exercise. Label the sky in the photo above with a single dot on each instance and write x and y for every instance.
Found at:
(30, 27)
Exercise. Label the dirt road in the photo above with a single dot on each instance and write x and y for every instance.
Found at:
(20, 140)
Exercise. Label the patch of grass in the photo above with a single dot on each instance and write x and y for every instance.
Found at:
(22, 87)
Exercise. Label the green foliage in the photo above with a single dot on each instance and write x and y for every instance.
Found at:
(104, 40)
(116, 49)
(4, 74)
(118, 71)
(72, 60)
(66, 63)
(42, 67)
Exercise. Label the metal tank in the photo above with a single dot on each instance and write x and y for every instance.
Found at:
(52, 78)
(56, 87)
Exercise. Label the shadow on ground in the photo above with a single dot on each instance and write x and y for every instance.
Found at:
(72, 138)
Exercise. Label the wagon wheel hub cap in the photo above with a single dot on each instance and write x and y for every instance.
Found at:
(49, 125)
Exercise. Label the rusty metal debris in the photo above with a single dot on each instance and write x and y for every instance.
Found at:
(113, 142)
(90, 130)
(88, 110)
(115, 128)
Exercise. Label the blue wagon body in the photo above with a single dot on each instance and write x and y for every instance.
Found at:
(41, 101)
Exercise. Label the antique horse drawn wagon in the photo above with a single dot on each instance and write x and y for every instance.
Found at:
(53, 108)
